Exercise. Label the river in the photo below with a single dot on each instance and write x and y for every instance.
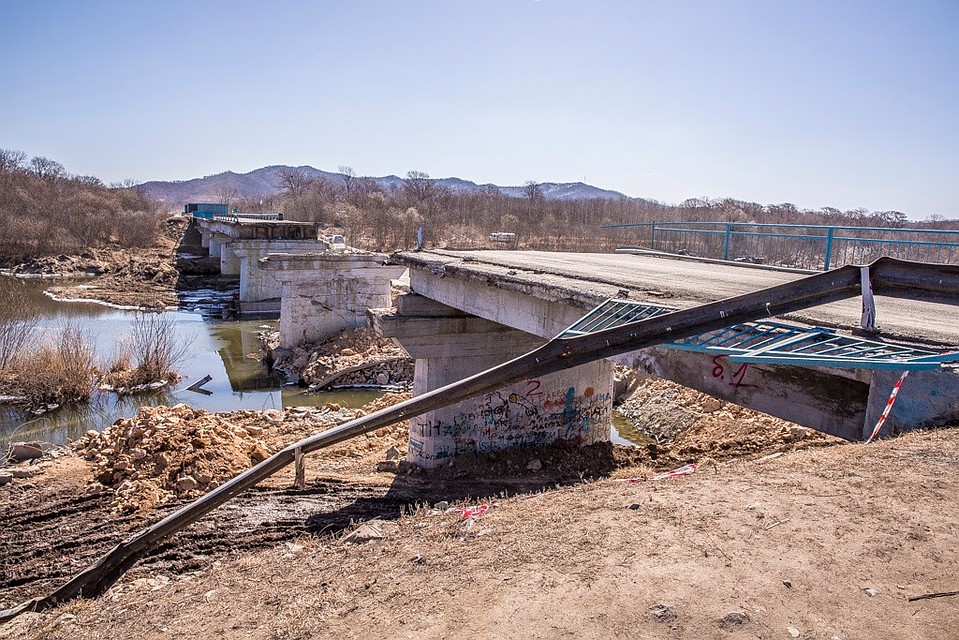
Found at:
(218, 347)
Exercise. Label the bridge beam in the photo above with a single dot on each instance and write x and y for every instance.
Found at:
(325, 293)
(573, 405)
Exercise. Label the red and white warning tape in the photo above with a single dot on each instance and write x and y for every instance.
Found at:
(684, 470)
(889, 403)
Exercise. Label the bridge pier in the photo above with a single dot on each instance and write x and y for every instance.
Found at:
(325, 293)
(259, 288)
(573, 405)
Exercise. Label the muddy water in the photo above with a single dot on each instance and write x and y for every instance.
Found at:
(219, 347)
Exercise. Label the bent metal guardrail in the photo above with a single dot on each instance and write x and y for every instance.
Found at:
(813, 247)
(934, 283)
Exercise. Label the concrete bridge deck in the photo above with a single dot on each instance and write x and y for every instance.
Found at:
(585, 279)
(539, 294)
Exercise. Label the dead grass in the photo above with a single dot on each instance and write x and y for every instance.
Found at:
(62, 369)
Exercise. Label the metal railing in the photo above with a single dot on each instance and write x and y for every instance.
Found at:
(239, 217)
(814, 247)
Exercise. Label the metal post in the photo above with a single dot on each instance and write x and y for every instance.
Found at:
(729, 232)
(868, 320)
(829, 232)
(652, 237)
(299, 480)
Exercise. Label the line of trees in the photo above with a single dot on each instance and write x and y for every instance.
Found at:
(387, 219)
(44, 211)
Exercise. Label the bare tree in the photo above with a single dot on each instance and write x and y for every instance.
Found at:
(295, 182)
(12, 161)
(419, 186)
(349, 179)
(47, 169)
(532, 191)
(225, 194)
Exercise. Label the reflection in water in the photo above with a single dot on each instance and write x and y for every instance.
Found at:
(625, 432)
(223, 349)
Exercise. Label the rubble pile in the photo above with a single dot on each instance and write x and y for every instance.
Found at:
(687, 425)
(316, 362)
(167, 453)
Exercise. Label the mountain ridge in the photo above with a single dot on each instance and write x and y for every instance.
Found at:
(265, 182)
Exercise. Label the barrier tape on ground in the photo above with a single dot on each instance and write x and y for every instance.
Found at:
(475, 512)
(684, 470)
(889, 403)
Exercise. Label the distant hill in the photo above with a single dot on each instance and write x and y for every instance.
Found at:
(266, 182)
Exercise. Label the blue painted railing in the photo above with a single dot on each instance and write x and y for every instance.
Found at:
(815, 247)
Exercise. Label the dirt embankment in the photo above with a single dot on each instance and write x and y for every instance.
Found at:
(817, 543)
(127, 277)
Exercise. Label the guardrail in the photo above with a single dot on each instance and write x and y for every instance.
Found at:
(239, 217)
(814, 247)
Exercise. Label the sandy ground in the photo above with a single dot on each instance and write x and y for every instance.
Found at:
(769, 542)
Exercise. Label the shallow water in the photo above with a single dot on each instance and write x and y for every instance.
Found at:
(218, 347)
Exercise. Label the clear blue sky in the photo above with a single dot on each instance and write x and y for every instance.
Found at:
(835, 103)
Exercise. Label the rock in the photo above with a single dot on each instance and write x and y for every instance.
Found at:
(734, 619)
(259, 453)
(788, 584)
(662, 612)
(22, 472)
(711, 405)
(66, 618)
(23, 451)
(364, 533)
(872, 593)
(442, 505)
(534, 465)
(634, 506)
(186, 483)
(5, 478)
(393, 454)
(382, 379)
(389, 466)
(793, 632)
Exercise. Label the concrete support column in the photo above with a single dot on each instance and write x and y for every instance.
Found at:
(573, 405)
(204, 237)
(216, 244)
(325, 293)
(229, 260)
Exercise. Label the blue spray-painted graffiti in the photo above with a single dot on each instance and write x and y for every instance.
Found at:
(503, 420)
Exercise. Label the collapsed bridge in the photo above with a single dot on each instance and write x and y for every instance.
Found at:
(885, 277)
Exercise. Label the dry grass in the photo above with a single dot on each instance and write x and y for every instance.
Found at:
(151, 354)
(61, 369)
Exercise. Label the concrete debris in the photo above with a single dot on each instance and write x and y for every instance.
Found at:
(23, 451)
(534, 465)
(734, 619)
(317, 362)
(366, 532)
(22, 472)
(662, 612)
(872, 593)
(168, 453)
(793, 632)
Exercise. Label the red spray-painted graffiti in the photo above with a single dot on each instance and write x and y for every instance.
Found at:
(735, 379)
